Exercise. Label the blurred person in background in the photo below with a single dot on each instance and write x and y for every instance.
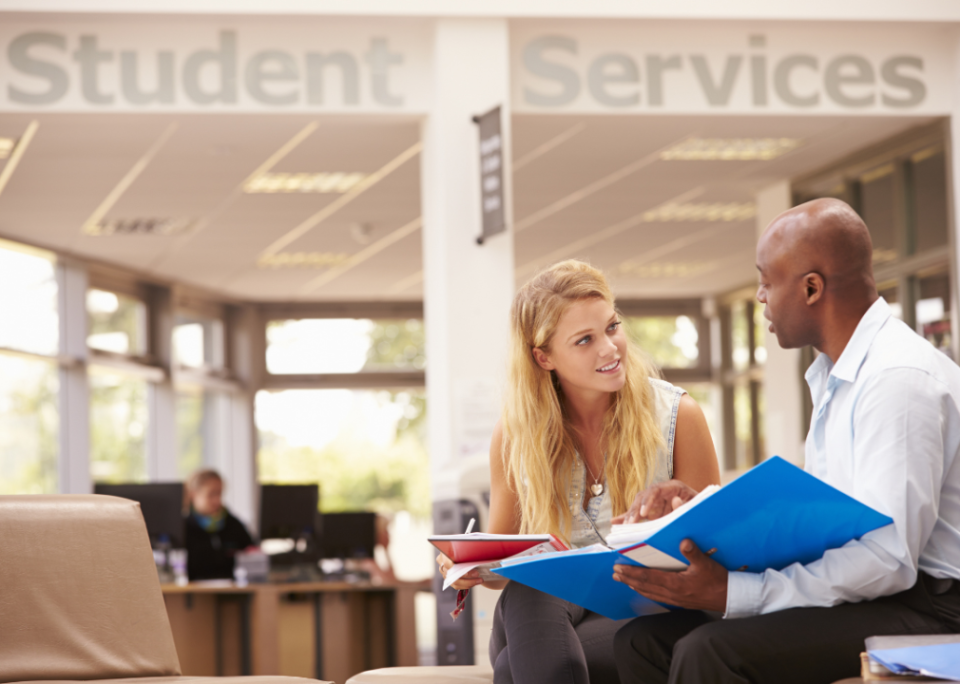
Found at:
(213, 535)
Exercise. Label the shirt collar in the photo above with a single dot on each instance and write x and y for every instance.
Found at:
(854, 354)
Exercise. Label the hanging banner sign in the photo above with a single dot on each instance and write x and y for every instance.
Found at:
(491, 174)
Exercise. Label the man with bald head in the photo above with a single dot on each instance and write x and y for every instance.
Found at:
(885, 430)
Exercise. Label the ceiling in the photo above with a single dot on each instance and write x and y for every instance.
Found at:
(581, 187)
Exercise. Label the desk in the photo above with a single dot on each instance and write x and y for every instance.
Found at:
(323, 630)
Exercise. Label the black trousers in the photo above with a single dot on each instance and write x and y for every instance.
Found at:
(538, 638)
(801, 645)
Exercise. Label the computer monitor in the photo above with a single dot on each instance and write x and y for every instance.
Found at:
(348, 535)
(288, 511)
(161, 504)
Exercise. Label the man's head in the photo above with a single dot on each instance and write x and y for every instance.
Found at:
(816, 269)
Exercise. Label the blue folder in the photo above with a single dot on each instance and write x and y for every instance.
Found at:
(770, 517)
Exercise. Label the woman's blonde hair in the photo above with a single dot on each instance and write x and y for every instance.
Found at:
(539, 443)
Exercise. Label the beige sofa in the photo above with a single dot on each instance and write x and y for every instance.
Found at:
(453, 674)
(80, 599)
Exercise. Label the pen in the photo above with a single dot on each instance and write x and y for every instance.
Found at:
(470, 525)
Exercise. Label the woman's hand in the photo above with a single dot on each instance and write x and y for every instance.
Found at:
(656, 502)
(468, 581)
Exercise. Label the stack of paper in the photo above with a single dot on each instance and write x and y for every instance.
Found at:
(930, 655)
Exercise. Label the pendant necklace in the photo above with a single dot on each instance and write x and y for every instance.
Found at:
(597, 486)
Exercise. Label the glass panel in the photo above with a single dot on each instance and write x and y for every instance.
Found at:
(190, 430)
(29, 426)
(198, 342)
(742, 416)
(933, 310)
(929, 186)
(740, 335)
(877, 196)
(345, 345)
(671, 341)
(760, 325)
(28, 307)
(708, 396)
(366, 449)
(118, 323)
(118, 427)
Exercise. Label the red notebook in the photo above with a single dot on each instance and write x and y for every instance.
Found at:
(477, 546)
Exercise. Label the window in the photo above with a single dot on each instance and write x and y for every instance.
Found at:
(29, 372)
(118, 427)
(116, 323)
(743, 355)
(28, 308)
(671, 341)
(928, 185)
(191, 437)
(29, 426)
(198, 342)
(345, 345)
(933, 309)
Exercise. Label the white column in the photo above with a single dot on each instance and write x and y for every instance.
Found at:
(236, 448)
(162, 426)
(74, 396)
(783, 384)
(467, 287)
(953, 194)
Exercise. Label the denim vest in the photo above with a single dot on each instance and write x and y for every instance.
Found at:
(593, 525)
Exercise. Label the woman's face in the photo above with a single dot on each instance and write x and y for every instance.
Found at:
(207, 499)
(588, 349)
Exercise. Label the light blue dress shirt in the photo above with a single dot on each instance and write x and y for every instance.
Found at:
(886, 431)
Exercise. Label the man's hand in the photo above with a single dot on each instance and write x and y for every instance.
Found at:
(656, 502)
(702, 586)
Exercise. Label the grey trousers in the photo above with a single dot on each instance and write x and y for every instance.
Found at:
(540, 638)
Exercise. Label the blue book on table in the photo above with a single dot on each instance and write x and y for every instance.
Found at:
(772, 516)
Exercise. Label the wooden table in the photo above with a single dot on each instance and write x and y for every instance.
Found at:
(322, 630)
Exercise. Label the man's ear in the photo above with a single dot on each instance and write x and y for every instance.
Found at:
(542, 359)
(813, 288)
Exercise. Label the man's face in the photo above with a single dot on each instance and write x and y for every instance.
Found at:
(782, 293)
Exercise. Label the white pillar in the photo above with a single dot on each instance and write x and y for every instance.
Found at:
(162, 425)
(953, 194)
(467, 287)
(236, 446)
(783, 384)
(74, 396)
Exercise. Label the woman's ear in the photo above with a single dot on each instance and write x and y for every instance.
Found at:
(542, 359)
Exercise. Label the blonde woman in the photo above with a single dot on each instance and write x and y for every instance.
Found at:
(586, 426)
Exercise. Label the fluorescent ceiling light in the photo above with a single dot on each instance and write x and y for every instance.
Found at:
(6, 147)
(702, 211)
(303, 182)
(665, 270)
(302, 260)
(730, 149)
(139, 226)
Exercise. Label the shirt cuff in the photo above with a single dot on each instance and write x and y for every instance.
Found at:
(744, 594)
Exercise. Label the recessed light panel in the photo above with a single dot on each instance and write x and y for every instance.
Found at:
(305, 260)
(303, 182)
(702, 211)
(730, 149)
(139, 226)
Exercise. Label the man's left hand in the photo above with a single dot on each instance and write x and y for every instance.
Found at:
(702, 586)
